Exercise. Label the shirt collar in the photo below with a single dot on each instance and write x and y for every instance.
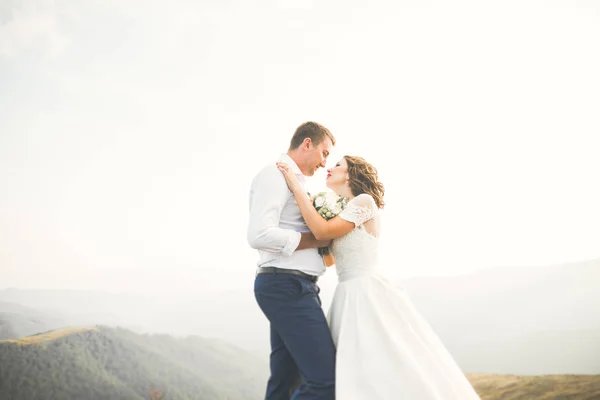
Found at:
(288, 160)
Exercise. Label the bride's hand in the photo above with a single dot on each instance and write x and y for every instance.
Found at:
(329, 259)
(290, 177)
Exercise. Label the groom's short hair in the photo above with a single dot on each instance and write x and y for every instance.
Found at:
(316, 132)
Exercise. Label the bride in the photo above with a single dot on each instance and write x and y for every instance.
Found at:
(385, 349)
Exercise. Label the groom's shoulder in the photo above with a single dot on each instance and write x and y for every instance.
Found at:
(270, 173)
(268, 170)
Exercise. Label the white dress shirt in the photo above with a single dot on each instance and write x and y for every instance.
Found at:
(276, 222)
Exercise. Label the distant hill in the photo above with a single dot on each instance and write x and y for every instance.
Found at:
(513, 300)
(223, 315)
(113, 363)
(538, 353)
(18, 321)
(517, 320)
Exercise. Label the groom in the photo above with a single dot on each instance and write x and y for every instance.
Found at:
(286, 281)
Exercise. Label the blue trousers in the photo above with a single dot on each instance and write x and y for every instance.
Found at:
(301, 342)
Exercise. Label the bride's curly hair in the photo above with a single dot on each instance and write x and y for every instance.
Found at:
(364, 179)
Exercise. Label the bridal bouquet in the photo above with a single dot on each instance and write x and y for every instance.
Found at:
(328, 204)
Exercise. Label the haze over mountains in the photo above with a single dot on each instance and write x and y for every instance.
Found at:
(529, 320)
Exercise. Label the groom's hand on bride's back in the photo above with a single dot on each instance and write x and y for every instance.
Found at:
(308, 241)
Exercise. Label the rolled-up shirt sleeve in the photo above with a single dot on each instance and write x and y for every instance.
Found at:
(268, 195)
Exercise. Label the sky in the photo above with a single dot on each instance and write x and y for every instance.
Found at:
(130, 132)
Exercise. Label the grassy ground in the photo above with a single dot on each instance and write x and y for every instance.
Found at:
(47, 336)
(545, 387)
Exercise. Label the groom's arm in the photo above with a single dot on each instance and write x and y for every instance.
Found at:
(308, 241)
(268, 196)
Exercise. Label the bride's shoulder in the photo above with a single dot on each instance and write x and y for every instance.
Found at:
(364, 200)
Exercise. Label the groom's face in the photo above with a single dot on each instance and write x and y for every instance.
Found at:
(316, 156)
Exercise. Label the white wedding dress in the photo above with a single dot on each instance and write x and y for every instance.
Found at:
(385, 349)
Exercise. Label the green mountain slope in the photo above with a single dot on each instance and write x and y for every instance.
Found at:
(107, 363)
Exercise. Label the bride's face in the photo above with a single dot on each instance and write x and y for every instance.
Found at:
(337, 176)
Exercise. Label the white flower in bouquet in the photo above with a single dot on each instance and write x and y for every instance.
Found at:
(319, 201)
(335, 208)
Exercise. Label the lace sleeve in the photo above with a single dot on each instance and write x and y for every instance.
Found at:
(360, 209)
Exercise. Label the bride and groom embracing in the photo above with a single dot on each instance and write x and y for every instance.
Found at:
(373, 345)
